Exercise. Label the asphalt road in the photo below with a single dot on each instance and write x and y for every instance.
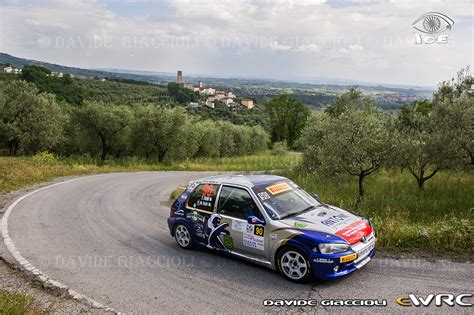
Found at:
(106, 237)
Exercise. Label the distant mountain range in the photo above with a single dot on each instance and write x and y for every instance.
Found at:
(164, 77)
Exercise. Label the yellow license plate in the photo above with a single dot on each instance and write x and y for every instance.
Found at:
(347, 258)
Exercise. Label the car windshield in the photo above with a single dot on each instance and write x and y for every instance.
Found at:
(284, 199)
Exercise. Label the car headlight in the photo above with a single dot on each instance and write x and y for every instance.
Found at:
(330, 248)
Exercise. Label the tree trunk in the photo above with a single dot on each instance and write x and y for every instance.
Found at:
(105, 148)
(421, 182)
(421, 178)
(161, 155)
(361, 190)
(13, 147)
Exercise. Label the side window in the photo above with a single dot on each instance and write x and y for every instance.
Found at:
(237, 203)
(203, 197)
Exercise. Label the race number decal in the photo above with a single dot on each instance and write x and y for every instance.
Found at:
(258, 230)
(263, 196)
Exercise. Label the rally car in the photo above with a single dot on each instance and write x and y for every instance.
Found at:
(271, 221)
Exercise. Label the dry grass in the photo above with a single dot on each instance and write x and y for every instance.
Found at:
(20, 172)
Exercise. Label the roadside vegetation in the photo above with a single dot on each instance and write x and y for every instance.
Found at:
(438, 219)
(20, 172)
(17, 303)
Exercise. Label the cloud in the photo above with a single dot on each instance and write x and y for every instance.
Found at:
(311, 48)
(370, 41)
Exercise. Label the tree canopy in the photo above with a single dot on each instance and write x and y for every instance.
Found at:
(287, 117)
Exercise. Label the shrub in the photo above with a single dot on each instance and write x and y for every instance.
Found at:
(44, 157)
(280, 148)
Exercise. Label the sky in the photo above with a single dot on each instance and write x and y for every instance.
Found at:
(362, 41)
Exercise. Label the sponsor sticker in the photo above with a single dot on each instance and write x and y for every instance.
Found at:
(254, 241)
(353, 232)
(179, 212)
(238, 225)
(335, 220)
(207, 190)
(250, 228)
(323, 260)
(228, 242)
(347, 258)
(279, 188)
(273, 236)
(300, 224)
(195, 217)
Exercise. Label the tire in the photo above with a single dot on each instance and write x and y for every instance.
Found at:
(294, 265)
(183, 236)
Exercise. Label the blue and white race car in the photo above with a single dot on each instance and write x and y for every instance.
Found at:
(271, 221)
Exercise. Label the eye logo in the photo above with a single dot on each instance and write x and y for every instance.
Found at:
(433, 23)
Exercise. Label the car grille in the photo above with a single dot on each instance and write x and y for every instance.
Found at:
(363, 249)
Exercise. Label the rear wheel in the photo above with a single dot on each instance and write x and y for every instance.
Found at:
(183, 236)
(294, 265)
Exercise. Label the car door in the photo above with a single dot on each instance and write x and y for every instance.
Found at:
(235, 205)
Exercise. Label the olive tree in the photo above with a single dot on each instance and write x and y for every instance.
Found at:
(209, 139)
(259, 139)
(420, 145)
(159, 130)
(355, 142)
(108, 124)
(455, 123)
(287, 117)
(29, 121)
(453, 114)
(438, 135)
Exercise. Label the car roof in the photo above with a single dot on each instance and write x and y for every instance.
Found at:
(248, 180)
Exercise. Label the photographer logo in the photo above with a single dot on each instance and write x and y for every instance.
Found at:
(430, 26)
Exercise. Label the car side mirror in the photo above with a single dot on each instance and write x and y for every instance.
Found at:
(254, 220)
(316, 196)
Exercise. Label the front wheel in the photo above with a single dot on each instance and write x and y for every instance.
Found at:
(183, 236)
(294, 265)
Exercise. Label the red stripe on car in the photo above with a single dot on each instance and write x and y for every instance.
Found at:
(353, 232)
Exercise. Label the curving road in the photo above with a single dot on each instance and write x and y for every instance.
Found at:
(106, 237)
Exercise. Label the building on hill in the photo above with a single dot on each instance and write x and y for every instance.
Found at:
(228, 101)
(193, 104)
(11, 69)
(220, 95)
(207, 91)
(210, 102)
(179, 78)
(247, 103)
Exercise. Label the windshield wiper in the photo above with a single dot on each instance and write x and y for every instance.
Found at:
(307, 209)
(298, 212)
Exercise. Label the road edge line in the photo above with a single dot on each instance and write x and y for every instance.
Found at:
(30, 269)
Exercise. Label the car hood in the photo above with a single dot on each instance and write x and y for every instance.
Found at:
(331, 220)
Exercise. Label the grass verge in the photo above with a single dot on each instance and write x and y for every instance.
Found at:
(17, 303)
(439, 219)
(20, 172)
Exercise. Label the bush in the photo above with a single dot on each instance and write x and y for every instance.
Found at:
(280, 148)
(44, 157)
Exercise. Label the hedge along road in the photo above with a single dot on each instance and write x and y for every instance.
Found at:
(106, 237)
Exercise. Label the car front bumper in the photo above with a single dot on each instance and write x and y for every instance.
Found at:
(330, 266)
